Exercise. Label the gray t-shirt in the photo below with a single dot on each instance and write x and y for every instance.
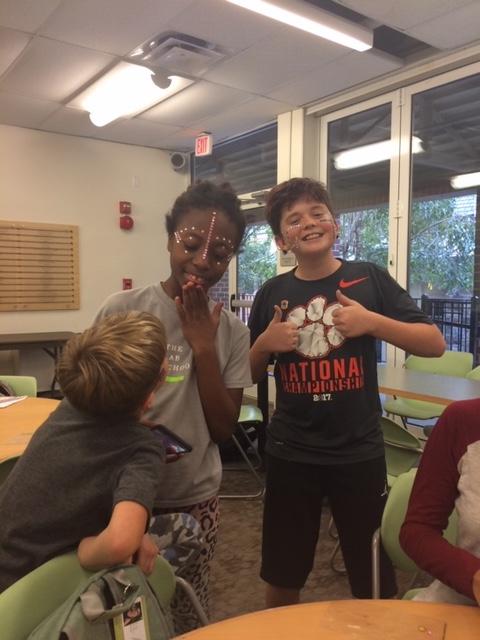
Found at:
(195, 477)
(75, 469)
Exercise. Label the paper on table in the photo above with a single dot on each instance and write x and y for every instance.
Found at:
(6, 401)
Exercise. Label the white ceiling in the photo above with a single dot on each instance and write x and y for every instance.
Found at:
(51, 49)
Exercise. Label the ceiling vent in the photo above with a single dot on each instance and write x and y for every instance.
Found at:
(177, 52)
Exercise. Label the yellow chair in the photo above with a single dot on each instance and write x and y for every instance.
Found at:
(21, 385)
(451, 363)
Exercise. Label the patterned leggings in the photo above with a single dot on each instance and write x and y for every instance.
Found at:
(197, 572)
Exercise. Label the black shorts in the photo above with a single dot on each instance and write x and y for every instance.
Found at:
(293, 504)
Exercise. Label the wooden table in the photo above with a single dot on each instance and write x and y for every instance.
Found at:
(350, 620)
(50, 341)
(416, 385)
(19, 421)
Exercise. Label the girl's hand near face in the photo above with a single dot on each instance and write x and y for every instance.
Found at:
(199, 324)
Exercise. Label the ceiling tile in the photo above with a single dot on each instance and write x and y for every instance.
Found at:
(71, 121)
(26, 15)
(21, 111)
(245, 117)
(452, 30)
(404, 14)
(182, 140)
(275, 61)
(114, 26)
(12, 43)
(337, 75)
(52, 70)
(141, 132)
(198, 101)
(76, 122)
(224, 24)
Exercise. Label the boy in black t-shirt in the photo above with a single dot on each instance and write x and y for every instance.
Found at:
(320, 322)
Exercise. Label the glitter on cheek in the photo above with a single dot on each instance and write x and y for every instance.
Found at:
(292, 234)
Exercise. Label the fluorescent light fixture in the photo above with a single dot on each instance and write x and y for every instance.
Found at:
(371, 153)
(313, 20)
(126, 90)
(465, 180)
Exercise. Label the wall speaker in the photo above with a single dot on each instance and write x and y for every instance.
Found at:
(179, 161)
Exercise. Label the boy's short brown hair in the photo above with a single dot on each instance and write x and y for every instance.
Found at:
(112, 367)
(288, 192)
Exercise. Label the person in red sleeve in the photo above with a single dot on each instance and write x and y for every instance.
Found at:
(448, 478)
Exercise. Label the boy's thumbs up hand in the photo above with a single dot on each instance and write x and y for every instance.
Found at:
(351, 318)
(346, 301)
(279, 336)
(277, 316)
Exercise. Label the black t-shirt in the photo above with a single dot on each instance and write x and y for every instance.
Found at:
(327, 405)
(64, 487)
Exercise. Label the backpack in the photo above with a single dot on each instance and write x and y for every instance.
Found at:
(114, 604)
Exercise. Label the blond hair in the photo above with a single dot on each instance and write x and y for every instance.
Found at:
(112, 367)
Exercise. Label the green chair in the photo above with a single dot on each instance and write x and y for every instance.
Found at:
(451, 363)
(6, 466)
(474, 374)
(402, 453)
(249, 420)
(21, 385)
(32, 598)
(389, 531)
(402, 449)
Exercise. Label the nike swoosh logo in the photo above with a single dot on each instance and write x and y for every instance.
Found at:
(343, 284)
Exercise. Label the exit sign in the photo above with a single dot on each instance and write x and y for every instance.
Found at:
(204, 145)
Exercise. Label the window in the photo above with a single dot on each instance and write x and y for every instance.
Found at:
(442, 240)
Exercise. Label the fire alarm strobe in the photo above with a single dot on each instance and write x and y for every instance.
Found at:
(125, 207)
(126, 223)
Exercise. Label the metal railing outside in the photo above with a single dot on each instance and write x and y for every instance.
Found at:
(457, 319)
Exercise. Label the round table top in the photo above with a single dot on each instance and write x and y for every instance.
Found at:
(350, 620)
(19, 421)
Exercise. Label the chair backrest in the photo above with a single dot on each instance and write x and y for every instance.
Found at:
(395, 433)
(6, 466)
(32, 598)
(21, 385)
(393, 517)
(474, 374)
(250, 413)
(451, 363)
(399, 460)
(402, 448)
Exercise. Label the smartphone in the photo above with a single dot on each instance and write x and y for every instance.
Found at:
(174, 445)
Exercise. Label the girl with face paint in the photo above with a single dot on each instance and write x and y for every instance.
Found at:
(207, 353)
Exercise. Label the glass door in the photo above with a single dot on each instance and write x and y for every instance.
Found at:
(443, 195)
(359, 161)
